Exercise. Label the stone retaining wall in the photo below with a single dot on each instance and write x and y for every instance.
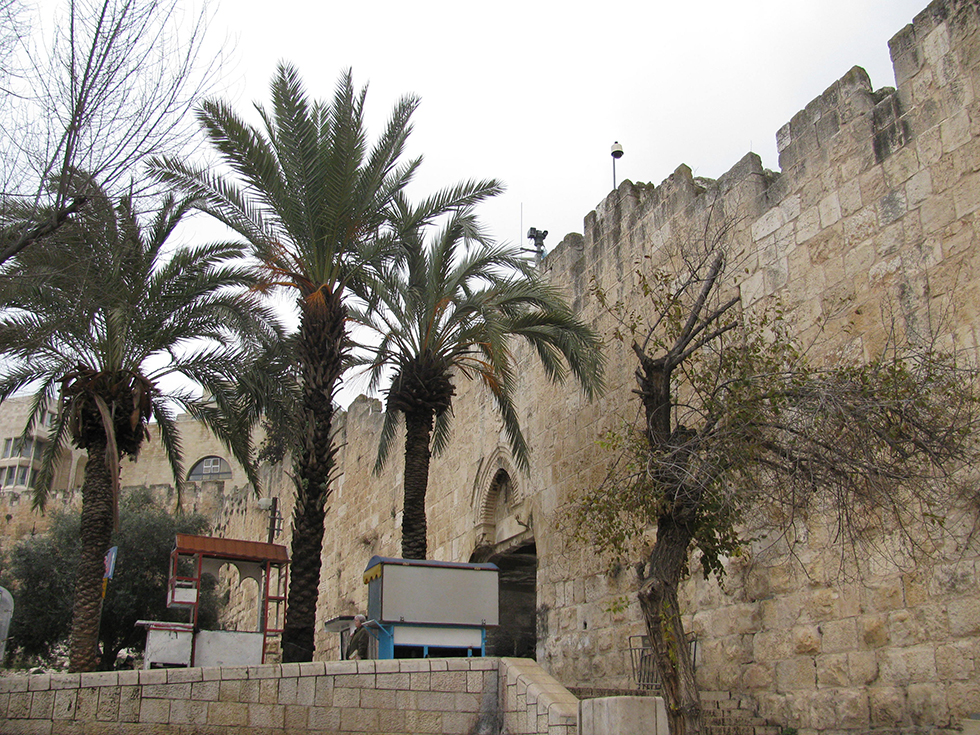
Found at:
(422, 697)
(533, 702)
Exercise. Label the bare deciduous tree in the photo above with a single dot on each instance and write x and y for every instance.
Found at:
(740, 428)
(113, 85)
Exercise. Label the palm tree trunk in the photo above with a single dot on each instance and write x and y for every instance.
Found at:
(662, 614)
(96, 535)
(418, 429)
(321, 354)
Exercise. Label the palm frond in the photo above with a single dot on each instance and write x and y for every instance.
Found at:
(101, 301)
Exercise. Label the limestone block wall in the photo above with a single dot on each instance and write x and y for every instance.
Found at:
(17, 519)
(870, 224)
(229, 503)
(417, 697)
(534, 702)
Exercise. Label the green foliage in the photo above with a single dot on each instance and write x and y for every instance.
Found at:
(617, 605)
(740, 423)
(456, 303)
(41, 572)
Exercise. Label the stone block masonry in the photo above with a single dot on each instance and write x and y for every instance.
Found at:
(402, 697)
(872, 224)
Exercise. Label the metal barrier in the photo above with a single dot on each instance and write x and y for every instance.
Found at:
(645, 666)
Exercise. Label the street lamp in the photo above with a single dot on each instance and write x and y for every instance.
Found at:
(617, 152)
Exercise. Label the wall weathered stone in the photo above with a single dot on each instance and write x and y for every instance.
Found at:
(875, 212)
(873, 216)
(410, 697)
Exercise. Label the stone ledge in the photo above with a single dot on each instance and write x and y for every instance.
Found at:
(449, 696)
(538, 692)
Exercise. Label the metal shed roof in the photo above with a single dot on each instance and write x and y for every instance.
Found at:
(227, 548)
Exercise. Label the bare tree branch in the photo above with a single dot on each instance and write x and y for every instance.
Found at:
(113, 85)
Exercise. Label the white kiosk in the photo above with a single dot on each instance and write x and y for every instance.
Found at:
(422, 609)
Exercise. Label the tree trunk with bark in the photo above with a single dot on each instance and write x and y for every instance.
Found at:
(96, 535)
(321, 362)
(662, 614)
(668, 559)
(418, 430)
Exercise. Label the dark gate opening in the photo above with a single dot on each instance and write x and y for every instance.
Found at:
(517, 633)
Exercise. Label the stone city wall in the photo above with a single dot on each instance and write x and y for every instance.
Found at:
(872, 221)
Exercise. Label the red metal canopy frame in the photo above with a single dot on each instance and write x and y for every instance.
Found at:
(273, 560)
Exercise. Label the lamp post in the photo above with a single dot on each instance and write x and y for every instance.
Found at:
(617, 152)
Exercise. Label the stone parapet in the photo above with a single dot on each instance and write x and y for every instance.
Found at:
(533, 702)
(401, 697)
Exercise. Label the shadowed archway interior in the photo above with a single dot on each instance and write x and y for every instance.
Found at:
(517, 633)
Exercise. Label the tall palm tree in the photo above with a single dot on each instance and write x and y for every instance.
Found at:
(314, 202)
(457, 305)
(99, 318)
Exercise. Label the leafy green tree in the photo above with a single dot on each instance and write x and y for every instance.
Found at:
(742, 431)
(100, 321)
(41, 574)
(138, 590)
(457, 305)
(314, 201)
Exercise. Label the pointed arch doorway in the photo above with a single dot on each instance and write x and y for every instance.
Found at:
(507, 540)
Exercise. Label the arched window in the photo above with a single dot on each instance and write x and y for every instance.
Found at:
(210, 468)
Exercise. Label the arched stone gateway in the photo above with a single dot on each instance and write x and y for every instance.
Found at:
(506, 538)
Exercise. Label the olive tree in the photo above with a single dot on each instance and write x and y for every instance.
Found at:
(740, 428)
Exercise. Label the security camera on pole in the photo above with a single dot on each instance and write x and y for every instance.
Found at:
(617, 153)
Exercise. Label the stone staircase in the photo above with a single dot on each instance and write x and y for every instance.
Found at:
(728, 714)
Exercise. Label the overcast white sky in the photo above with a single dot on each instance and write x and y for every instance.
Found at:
(535, 93)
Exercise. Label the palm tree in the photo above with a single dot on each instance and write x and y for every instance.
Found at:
(313, 201)
(457, 306)
(97, 318)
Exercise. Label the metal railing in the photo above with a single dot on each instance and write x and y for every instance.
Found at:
(645, 667)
